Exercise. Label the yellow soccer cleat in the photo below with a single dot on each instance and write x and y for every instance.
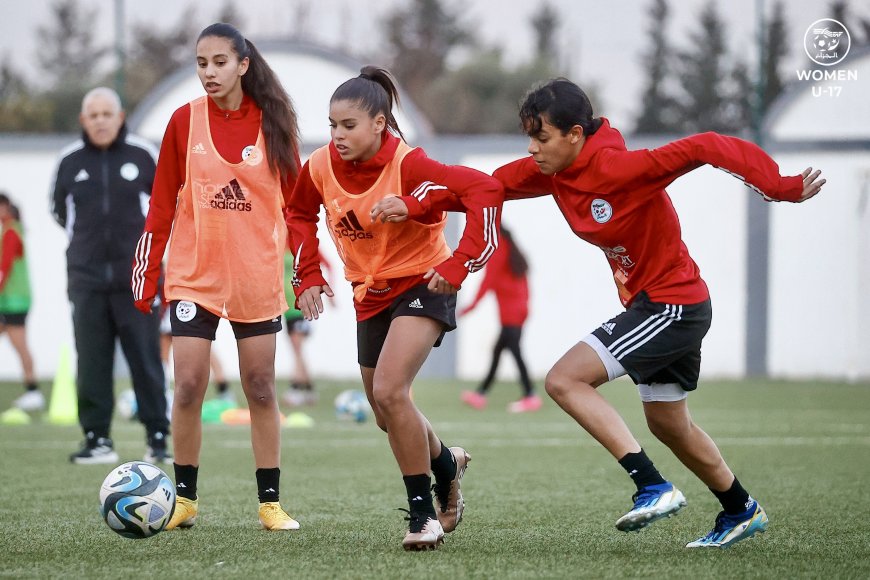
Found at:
(273, 517)
(185, 512)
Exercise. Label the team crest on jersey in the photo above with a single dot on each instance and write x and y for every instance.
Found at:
(602, 211)
(252, 155)
(185, 311)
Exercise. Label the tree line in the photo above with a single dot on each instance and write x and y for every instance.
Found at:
(697, 85)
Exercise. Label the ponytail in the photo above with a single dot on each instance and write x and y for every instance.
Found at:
(280, 126)
(374, 91)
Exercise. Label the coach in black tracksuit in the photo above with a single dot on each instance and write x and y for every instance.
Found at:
(101, 198)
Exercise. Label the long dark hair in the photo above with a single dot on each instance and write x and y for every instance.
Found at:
(374, 91)
(563, 103)
(516, 259)
(280, 126)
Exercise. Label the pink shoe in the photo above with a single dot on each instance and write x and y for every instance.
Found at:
(474, 399)
(526, 404)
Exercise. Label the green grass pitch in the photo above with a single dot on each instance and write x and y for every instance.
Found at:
(542, 496)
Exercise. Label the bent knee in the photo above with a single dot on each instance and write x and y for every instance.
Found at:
(260, 389)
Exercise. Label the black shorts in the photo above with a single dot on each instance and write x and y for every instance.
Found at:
(12, 318)
(417, 301)
(298, 325)
(654, 343)
(191, 319)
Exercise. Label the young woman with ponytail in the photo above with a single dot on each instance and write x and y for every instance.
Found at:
(228, 164)
(377, 192)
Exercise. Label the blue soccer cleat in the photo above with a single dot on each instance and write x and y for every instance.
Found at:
(651, 503)
(731, 528)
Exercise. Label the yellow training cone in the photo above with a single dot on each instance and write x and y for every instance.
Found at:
(299, 420)
(63, 408)
(14, 416)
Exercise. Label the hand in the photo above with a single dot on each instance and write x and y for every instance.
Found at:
(438, 284)
(145, 304)
(389, 209)
(811, 186)
(310, 303)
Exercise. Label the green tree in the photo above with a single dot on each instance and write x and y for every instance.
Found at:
(706, 81)
(659, 108)
(482, 95)
(775, 50)
(421, 36)
(21, 110)
(68, 56)
(157, 52)
(230, 14)
(545, 23)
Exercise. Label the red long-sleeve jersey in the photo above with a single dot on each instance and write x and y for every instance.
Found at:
(475, 193)
(231, 132)
(511, 291)
(616, 200)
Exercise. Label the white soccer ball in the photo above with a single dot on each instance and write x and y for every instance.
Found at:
(352, 405)
(126, 404)
(137, 500)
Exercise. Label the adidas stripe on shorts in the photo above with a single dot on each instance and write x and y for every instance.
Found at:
(658, 345)
(371, 333)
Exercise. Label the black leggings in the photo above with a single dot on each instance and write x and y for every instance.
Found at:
(509, 338)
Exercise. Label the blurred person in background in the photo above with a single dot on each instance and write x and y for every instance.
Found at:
(100, 197)
(15, 300)
(506, 276)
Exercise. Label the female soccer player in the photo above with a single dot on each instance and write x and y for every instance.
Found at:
(615, 199)
(227, 165)
(15, 300)
(403, 274)
(506, 276)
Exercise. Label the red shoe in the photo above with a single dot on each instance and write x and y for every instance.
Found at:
(474, 399)
(526, 404)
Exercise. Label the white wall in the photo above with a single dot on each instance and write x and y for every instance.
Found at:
(820, 273)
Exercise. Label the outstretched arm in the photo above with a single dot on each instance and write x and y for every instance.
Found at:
(740, 158)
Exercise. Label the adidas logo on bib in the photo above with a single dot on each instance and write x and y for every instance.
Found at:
(198, 149)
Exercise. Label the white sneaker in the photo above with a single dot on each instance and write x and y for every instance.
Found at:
(30, 401)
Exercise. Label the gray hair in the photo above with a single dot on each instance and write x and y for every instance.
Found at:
(105, 92)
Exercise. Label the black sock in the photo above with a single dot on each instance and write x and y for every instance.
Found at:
(185, 480)
(267, 483)
(444, 466)
(641, 469)
(223, 387)
(735, 500)
(32, 387)
(419, 488)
